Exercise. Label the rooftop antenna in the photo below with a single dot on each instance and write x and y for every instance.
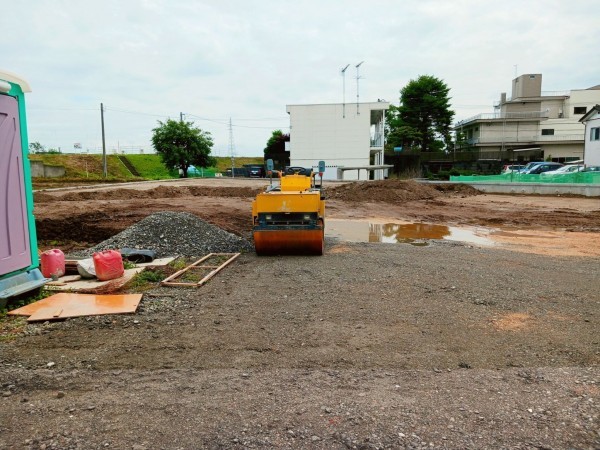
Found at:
(344, 94)
(357, 78)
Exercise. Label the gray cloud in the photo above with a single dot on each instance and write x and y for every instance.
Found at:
(147, 60)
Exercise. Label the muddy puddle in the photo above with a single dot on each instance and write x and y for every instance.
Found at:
(554, 242)
(407, 233)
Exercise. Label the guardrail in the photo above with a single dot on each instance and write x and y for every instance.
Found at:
(507, 116)
(526, 139)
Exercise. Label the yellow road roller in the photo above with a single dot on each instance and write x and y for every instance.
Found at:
(289, 218)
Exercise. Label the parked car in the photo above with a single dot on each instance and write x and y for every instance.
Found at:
(570, 168)
(256, 171)
(542, 167)
(512, 168)
(591, 169)
(530, 165)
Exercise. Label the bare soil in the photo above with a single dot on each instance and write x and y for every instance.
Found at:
(369, 346)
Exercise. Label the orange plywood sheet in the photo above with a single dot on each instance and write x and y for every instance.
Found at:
(67, 304)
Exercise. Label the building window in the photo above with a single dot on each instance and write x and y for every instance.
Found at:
(547, 131)
(579, 109)
(595, 134)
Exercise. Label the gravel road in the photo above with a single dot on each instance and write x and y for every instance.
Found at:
(369, 346)
(447, 345)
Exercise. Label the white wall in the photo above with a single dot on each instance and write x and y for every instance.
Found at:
(581, 97)
(592, 148)
(322, 133)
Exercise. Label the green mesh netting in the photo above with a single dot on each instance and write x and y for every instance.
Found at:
(569, 178)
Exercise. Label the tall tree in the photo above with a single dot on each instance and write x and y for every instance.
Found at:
(276, 143)
(424, 118)
(36, 147)
(181, 145)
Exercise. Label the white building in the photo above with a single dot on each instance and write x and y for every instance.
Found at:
(591, 120)
(532, 123)
(345, 136)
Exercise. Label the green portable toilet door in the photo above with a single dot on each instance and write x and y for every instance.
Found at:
(15, 251)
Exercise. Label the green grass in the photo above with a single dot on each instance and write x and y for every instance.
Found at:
(85, 166)
(150, 167)
(12, 326)
(145, 280)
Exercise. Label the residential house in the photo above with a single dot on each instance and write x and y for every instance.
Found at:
(591, 121)
(343, 135)
(531, 124)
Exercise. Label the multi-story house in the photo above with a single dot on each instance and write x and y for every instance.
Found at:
(591, 121)
(348, 137)
(531, 124)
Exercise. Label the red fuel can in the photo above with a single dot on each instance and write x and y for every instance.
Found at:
(108, 265)
(53, 263)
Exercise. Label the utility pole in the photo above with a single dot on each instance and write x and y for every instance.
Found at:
(104, 167)
(231, 149)
(181, 117)
(357, 78)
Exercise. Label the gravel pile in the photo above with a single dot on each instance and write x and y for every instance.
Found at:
(174, 234)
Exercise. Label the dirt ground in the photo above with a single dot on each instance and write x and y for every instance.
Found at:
(522, 223)
(372, 345)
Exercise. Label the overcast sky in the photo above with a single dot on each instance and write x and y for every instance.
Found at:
(148, 60)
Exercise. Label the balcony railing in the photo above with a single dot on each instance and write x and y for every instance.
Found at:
(526, 139)
(377, 140)
(544, 94)
(505, 116)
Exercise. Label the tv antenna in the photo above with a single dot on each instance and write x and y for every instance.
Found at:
(344, 91)
(357, 78)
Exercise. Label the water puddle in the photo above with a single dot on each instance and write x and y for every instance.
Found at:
(409, 233)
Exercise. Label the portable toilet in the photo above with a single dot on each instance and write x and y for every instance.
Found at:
(19, 261)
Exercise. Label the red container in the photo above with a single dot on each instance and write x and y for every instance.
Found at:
(108, 265)
(53, 263)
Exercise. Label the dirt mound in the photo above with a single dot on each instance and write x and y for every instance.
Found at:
(394, 191)
(159, 192)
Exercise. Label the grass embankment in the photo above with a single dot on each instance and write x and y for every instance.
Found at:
(84, 167)
(150, 167)
(88, 168)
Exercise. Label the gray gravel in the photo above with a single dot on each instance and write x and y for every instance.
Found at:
(173, 234)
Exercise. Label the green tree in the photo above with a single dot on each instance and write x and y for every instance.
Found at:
(36, 147)
(423, 118)
(181, 145)
(276, 143)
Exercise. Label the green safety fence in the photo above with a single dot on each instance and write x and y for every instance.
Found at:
(568, 178)
(202, 173)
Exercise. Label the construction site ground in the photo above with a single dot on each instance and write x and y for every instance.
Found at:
(447, 345)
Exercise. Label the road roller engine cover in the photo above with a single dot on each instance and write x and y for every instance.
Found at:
(289, 217)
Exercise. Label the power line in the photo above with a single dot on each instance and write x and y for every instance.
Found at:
(41, 108)
(134, 112)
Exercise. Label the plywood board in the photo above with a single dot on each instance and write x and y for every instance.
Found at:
(66, 304)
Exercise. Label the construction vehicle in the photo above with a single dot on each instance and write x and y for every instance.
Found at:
(289, 218)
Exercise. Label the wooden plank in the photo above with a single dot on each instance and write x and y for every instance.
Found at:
(169, 281)
(221, 267)
(185, 269)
